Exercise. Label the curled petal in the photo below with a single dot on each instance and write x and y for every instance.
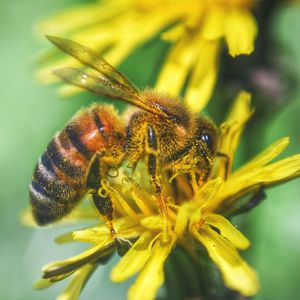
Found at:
(228, 231)
(237, 274)
(61, 269)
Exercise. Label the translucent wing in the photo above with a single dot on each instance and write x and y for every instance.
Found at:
(90, 58)
(98, 76)
(94, 83)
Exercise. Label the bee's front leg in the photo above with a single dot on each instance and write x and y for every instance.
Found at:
(152, 154)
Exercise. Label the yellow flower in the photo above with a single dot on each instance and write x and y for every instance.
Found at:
(196, 219)
(193, 28)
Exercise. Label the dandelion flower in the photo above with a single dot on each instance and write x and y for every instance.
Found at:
(194, 29)
(197, 216)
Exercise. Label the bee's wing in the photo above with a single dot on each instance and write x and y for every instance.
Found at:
(90, 58)
(95, 83)
(101, 85)
(98, 76)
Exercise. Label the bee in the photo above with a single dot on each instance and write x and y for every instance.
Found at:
(161, 131)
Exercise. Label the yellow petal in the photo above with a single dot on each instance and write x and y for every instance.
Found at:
(232, 129)
(64, 238)
(152, 276)
(153, 222)
(137, 30)
(42, 284)
(74, 288)
(79, 17)
(281, 171)
(95, 235)
(141, 201)
(241, 109)
(174, 33)
(188, 213)
(60, 269)
(177, 65)
(98, 234)
(117, 37)
(227, 230)
(27, 218)
(213, 25)
(204, 74)
(126, 208)
(240, 31)
(237, 274)
(264, 157)
(206, 194)
(134, 260)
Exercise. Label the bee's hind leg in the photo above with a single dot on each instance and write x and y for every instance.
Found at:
(151, 149)
(103, 203)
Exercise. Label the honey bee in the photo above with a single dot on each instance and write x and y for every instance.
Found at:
(161, 131)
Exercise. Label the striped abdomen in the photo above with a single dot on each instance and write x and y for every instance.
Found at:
(60, 177)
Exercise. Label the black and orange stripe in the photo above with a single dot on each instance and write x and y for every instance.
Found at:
(59, 179)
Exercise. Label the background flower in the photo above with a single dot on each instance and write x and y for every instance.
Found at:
(193, 29)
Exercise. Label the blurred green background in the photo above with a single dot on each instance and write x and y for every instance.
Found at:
(30, 114)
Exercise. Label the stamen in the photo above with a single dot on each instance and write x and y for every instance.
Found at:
(124, 204)
(140, 202)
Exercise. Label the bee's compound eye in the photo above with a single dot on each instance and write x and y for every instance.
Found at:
(207, 140)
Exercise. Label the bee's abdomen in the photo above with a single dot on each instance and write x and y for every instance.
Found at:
(59, 179)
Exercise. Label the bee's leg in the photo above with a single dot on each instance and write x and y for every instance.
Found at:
(199, 178)
(151, 150)
(103, 203)
(204, 174)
